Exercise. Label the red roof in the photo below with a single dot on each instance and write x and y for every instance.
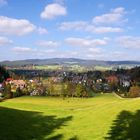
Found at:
(9, 79)
(112, 79)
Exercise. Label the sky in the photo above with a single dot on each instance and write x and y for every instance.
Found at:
(86, 29)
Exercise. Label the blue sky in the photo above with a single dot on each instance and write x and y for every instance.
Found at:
(87, 29)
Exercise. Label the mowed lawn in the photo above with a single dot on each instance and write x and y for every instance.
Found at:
(48, 118)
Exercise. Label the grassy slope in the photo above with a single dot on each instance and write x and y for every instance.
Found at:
(84, 119)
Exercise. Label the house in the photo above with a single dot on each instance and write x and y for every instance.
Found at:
(112, 79)
(99, 81)
(18, 83)
(97, 87)
(0, 85)
(34, 93)
(106, 87)
(31, 80)
(8, 80)
(57, 79)
(125, 81)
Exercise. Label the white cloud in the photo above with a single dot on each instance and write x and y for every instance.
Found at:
(44, 43)
(53, 10)
(95, 50)
(85, 42)
(114, 16)
(5, 41)
(129, 41)
(102, 29)
(42, 31)
(100, 24)
(3, 2)
(22, 49)
(118, 54)
(88, 27)
(64, 54)
(76, 25)
(26, 51)
(11, 26)
(48, 51)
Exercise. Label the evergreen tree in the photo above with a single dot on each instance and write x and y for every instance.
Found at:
(3, 74)
(7, 91)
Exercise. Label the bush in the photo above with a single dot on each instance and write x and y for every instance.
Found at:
(7, 91)
(17, 93)
(81, 91)
(134, 91)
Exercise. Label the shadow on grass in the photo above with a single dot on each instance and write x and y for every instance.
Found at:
(28, 125)
(125, 127)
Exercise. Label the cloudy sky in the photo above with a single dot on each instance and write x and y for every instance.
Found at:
(88, 29)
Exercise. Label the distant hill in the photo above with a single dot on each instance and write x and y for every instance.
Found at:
(67, 61)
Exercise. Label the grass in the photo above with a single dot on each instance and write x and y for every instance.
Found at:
(60, 67)
(97, 118)
(73, 67)
(48, 67)
(103, 68)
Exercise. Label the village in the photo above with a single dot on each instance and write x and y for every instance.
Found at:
(60, 83)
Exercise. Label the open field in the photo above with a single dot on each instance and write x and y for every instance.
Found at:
(48, 67)
(103, 68)
(97, 118)
(76, 68)
(61, 67)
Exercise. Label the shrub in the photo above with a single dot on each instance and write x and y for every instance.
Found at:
(17, 93)
(134, 91)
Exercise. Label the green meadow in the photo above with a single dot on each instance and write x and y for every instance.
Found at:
(48, 67)
(104, 117)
